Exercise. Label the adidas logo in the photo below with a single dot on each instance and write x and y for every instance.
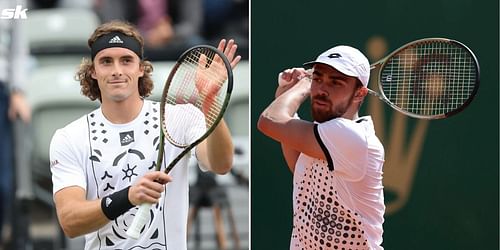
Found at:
(115, 39)
(126, 138)
(108, 201)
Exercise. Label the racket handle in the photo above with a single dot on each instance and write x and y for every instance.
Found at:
(141, 218)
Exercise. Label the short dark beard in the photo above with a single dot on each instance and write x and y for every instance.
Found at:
(330, 114)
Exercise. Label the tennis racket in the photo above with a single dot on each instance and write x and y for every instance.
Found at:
(198, 88)
(432, 78)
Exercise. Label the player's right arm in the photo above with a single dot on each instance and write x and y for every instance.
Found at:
(286, 80)
(79, 216)
(76, 215)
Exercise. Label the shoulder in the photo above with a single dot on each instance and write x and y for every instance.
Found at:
(346, 127)
(151, 104)
(76, 125)
(347, 133)
(151, 107)
(73, 133)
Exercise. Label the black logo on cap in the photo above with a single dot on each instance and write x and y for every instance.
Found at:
(334, 55)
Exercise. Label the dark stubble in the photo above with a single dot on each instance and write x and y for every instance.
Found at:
(323, 115)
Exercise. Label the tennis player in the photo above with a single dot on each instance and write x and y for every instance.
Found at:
(101, 163)
(336, 160)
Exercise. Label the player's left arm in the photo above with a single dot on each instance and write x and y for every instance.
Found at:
(216, 152)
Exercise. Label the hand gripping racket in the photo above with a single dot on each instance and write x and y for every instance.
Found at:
(198, 88)
(430, 78)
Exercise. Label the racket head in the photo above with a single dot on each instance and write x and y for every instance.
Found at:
(197, 91)
(431, 78)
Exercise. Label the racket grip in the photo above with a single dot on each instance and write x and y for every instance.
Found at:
(140, 219)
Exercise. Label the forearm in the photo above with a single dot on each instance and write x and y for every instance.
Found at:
(218, 150)
(80, 217)
(283, 108)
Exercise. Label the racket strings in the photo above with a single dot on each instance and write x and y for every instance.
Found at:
(431, 78)
(196, 95)
(218, 67)
(216, 75)
(198, 98)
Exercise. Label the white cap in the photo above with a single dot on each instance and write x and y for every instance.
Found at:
(348, 60)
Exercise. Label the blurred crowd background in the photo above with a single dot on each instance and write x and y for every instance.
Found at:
(170, 26)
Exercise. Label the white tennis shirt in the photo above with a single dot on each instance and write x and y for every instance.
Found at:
(339, 203)
(103, 158)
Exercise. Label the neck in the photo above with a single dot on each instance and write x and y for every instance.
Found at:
(122, 112)
(351, 113)
(350, 116)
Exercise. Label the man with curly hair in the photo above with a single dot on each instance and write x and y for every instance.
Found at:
(101, 163)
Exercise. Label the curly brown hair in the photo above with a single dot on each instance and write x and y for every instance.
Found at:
(89, 85)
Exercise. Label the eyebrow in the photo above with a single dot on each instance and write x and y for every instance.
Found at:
(333, 77)
(121, 57)
(127, 57)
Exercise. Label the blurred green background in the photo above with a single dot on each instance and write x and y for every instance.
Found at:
(446, 196)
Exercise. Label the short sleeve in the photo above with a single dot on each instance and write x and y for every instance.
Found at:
(197, 126)
(184, 123)
(188, 127)
(64, 164)
(345, 143)
(197, 129)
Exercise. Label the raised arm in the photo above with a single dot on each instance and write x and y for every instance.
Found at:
(216, 152)
(286, 80)
(277, 122)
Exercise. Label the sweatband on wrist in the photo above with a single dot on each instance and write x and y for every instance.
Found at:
(115, 39)
(116, 204)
